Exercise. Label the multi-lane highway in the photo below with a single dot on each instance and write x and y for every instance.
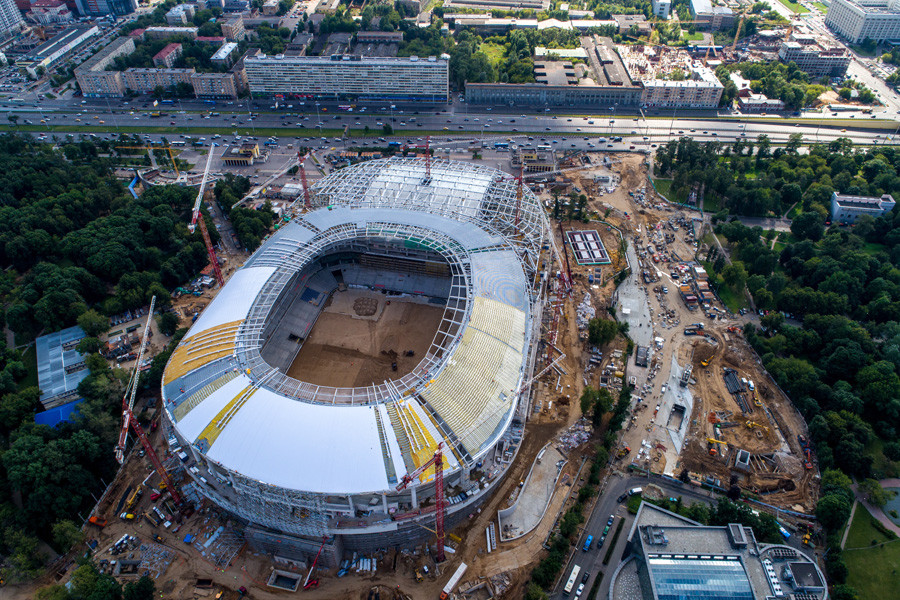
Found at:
(441, 122)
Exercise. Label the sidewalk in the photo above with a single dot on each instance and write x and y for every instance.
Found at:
(874, 510)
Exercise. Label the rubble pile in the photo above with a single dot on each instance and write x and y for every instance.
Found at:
(584, 312)
(574, 436)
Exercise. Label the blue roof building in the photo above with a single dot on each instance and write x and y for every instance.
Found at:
(60, 367)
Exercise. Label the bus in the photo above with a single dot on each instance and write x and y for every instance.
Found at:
(347, 107)
(587, 543)
(16, 101)
(545, 147)
(573, 580)
(501, 145)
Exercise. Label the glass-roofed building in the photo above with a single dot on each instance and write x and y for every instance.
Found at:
(669, 557)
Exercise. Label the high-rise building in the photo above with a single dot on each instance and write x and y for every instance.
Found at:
(106, 7)
(340, 77)
(11, 21)
(857, 20)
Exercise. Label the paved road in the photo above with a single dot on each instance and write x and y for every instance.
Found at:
(592, 561)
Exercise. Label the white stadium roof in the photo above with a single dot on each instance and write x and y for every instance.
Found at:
(229, 404)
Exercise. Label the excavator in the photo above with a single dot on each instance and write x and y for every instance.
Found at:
(712, 448)
(755, 425)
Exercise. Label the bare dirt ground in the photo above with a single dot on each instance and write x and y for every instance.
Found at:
(347, 348)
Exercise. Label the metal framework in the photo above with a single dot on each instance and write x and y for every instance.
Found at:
(481, 211)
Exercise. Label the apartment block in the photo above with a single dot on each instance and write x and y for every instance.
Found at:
(11, 21)
(856, 20)
(146, 80)
(215, 85)
(93, 78)
(167, 56)
(339, 77)
(814, 57)
(161, 33)
(233, 29)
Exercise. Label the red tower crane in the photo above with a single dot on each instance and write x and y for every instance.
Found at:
(519, 194)
(300, 160)
(129, 420)
(439, 507)
(195, 217)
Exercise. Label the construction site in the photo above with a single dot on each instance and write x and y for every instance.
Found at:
(383, 399)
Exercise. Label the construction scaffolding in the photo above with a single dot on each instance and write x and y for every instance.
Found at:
(155, 559)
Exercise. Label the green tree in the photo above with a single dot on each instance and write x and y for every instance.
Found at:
(873, 492)
(833, 510)
(66, 534)
(808, 226)
(601, 331)
(168, 322)
(142, 589)
(93, 323)
(88, 345)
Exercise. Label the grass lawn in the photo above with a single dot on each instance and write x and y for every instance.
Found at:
(821, 7)
(873, 248)
(711, 204)
(664, 187)
(30, 360)
(691, 37)
(494, 52)
(794, 6)
(873, 570)
(735, 302)
(863, 52)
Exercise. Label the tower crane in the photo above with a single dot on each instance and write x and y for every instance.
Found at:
(302, 172)
(427, 148)
(213, 260)
(439, 509)
(129, 420)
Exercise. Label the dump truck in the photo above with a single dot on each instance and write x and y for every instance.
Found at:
(95, 520)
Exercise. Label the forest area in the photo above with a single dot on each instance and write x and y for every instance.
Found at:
(76, 247)
(831, 293)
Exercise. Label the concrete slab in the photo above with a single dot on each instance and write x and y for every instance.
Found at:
(534, 497)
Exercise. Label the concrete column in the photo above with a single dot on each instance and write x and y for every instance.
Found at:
(384, 503)
(415, 501)
(350, 503)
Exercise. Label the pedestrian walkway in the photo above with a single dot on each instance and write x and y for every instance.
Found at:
(534, 496)
(849, 522)
(875, 511)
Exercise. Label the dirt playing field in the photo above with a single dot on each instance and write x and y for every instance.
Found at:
(360, 334)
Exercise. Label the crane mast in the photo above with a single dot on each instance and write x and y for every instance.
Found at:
(439, 506)
(300, 160)
(129, 420)
(195, 217)
(131, 388)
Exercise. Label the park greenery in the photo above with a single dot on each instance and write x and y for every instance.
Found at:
(753, 177)
(87, 583)
(76, 248)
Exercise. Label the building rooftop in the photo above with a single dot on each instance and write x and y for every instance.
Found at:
(169, 49)
(862, 201)
(225, 51)
(60, 367)
(61, 40)
(701, 7)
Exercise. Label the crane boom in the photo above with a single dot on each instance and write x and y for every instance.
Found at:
(195, 217)
(196, 210)
(302, 172)
(131, 388)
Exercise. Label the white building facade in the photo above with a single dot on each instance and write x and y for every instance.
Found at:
(848, 209)
(857, 20)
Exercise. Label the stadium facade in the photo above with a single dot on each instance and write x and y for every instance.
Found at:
(298, 462)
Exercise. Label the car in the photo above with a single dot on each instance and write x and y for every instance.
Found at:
(585, 577)
(580, 590)
(605, 530)
(610, 520)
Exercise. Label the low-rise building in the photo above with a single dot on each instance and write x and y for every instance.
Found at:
(379, 37)
(180, 14)
(857, 20)
(671, 78)
(213, 40)
(711, 17)
(215, 85)
(758, 103)
(93, 78)
(146, 80)
(48, 54)
(270, 7)
(669, 556)
(161, 33)
(49, 12)
(241, 156)
(626, 22)
(499, 4)
(848, 209)
(661, 9)
(167, 56)
(815, 56)
(225, 54)
(236, 6)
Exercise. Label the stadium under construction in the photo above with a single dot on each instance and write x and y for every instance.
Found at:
(304, 445)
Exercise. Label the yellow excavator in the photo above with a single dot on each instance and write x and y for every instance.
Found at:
(712, 448)
(755, 425)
